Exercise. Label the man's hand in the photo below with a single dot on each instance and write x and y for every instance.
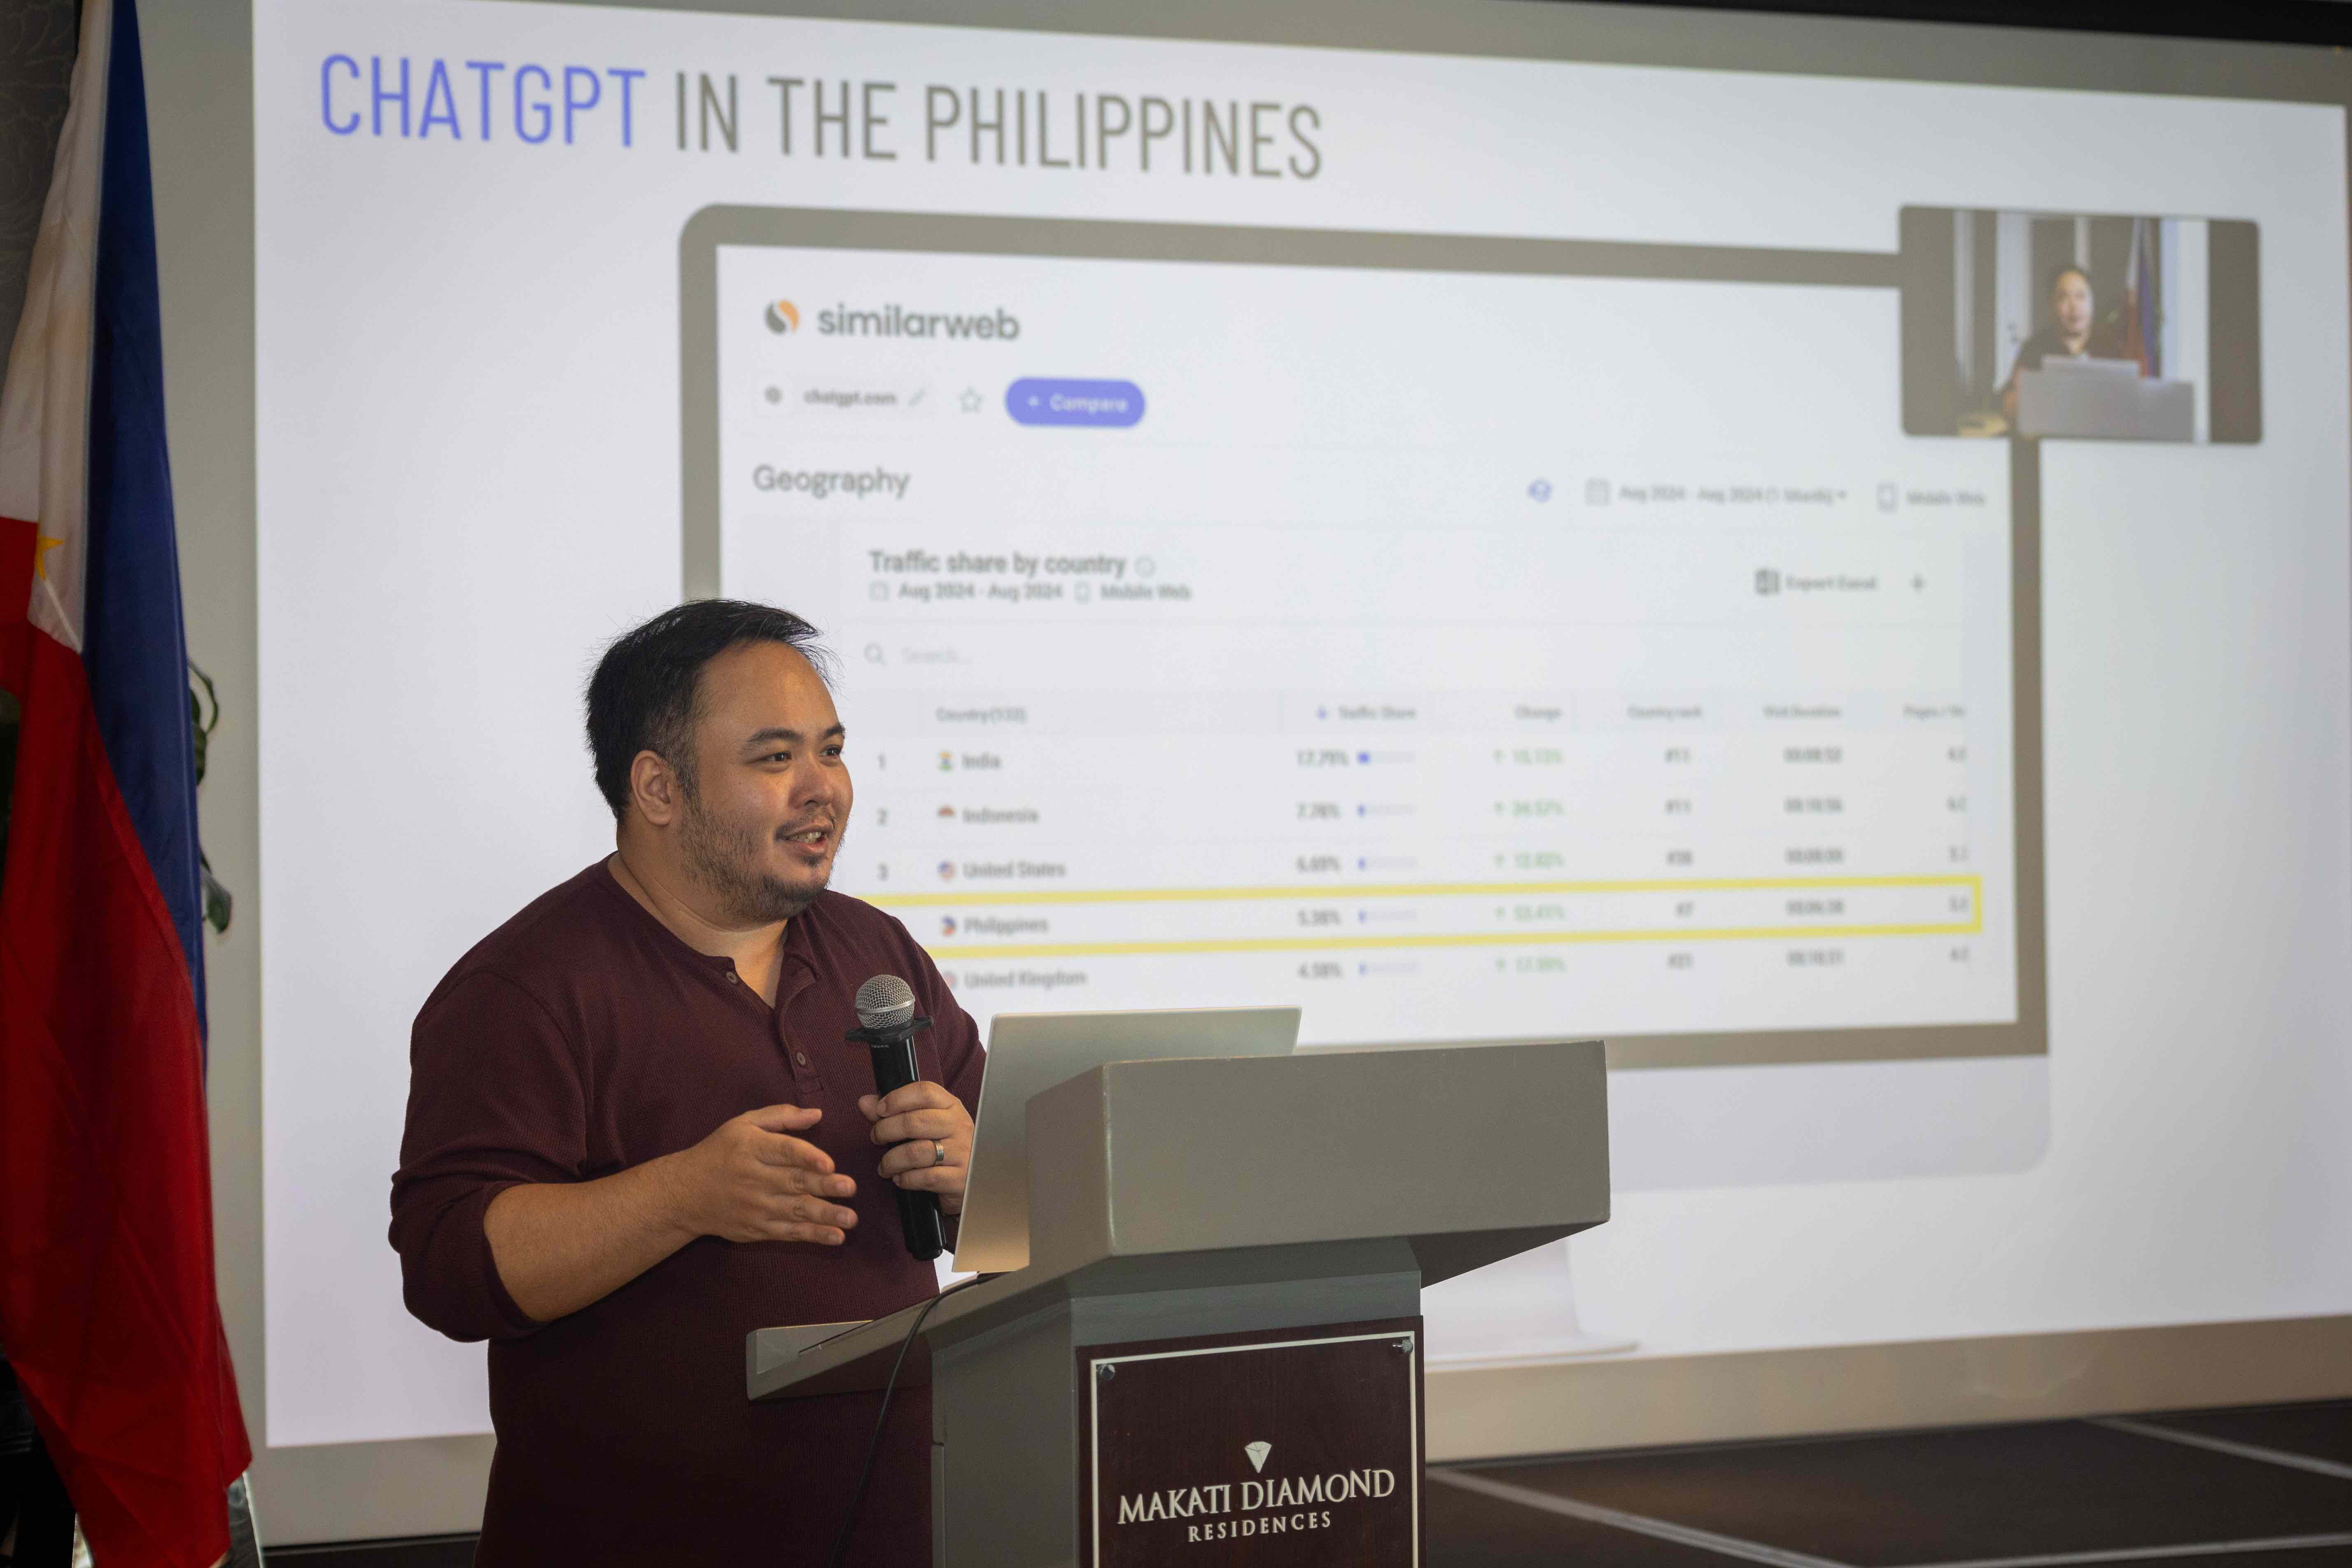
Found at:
(924, 1121)
(753, 1181)
(560, 1245)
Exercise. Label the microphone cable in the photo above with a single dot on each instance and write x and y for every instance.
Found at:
(874, 1445)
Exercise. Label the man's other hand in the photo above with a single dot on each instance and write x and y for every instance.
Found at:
(753, 1181)
(925, 1122)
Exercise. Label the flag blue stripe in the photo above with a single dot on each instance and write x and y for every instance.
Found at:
(134, 645)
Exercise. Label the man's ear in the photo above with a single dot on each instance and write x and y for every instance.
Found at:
(656, 789)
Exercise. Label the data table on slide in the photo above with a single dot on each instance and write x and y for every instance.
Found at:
(1464, 731)
(1707, 854)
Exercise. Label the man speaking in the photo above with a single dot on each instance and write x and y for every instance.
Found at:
(636, 1133)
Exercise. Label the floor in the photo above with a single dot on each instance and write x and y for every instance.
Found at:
(2270, 1487)
(2266, 1487)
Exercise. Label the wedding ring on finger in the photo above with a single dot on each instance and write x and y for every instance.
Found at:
(939, 1153)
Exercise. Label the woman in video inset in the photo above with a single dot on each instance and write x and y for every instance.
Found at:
(2074, 332)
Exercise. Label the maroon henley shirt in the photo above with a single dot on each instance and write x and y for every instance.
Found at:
(581, 1038)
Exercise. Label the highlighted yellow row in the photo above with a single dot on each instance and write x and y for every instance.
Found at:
(1973, 925)
(995, 899)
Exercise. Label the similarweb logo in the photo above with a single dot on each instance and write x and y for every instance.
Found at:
(998, 325)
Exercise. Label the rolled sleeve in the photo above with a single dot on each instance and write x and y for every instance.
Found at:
(495, 1100)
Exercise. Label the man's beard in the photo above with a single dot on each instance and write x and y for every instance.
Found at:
(726, 860)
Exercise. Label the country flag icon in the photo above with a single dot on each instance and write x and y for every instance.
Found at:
(1257, 1453)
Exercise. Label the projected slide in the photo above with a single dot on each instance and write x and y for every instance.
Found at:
(1313, 623)
(1522, 571)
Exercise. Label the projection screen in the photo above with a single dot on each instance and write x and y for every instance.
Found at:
(1496, 524)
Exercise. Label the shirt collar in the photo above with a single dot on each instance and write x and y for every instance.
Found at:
(799, 963)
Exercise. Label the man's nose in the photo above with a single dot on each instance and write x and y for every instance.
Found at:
(816, 784)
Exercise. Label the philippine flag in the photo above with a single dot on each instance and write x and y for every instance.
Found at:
(107, 1308)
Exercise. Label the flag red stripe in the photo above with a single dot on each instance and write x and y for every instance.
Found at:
(106, 1239)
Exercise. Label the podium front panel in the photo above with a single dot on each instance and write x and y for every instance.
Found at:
(1272, 1449)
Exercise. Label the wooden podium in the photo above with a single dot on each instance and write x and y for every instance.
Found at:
(1215, 1353)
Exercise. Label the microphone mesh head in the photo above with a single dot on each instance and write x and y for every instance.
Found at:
(885, 1002)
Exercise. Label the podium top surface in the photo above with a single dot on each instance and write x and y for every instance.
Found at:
(1156, 1157)
(1189, 1174)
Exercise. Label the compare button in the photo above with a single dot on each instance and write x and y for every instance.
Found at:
(1041, 400)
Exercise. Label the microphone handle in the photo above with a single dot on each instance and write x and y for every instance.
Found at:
(919, 1213)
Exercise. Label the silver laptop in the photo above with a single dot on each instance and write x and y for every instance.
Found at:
(1029, 1053)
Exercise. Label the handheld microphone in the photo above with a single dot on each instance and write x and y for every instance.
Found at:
(885, 1006)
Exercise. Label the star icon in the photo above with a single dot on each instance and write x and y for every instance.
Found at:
(971, 400)
(42, 545)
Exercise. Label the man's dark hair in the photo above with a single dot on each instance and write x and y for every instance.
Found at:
(646, 693)
(2058, 276)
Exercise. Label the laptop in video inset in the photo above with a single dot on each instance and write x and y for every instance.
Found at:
(1029, 1053)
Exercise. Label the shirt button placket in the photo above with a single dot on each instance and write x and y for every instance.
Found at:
(804, 1073)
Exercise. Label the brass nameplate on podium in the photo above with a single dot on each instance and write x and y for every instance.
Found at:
(1284, 1446)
